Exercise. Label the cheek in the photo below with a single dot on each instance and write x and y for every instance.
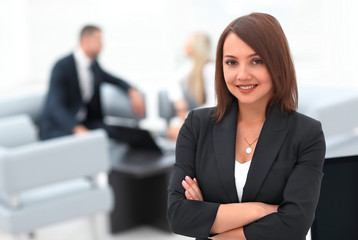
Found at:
(269, 84)
(230, 82)
(265, 79)
(267, 76)
(228, 76)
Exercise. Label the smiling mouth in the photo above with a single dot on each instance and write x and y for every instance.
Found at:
(247, 87)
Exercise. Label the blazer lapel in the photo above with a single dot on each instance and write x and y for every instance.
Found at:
(224, 137)
(271, 138)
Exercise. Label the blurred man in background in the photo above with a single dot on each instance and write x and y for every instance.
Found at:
(73, 103)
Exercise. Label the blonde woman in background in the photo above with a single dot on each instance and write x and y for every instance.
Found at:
(195, 86)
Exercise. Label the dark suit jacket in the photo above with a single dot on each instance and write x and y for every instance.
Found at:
(64, 98)
(286, 169)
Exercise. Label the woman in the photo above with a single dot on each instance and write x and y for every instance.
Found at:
(196, 85)
(251, 168)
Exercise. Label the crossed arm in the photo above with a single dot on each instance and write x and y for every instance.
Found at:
(229, 225)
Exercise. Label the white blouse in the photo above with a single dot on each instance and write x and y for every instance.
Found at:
(241, 171)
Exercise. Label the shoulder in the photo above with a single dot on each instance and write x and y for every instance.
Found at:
(203, 115)
(200, 118)
(302, 122)
(196, 125)
(65, 62)
(306, 131)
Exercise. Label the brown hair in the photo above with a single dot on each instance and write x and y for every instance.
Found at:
(89, 30)
(263, 33)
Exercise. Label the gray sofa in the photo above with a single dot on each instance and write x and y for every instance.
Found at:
(42, 183)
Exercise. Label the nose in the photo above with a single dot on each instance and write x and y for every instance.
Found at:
(243, 73)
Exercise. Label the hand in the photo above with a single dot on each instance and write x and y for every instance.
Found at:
(181, 108)
(268, 208)
(173, 132)
(137, 102)
(192, 190)
(80, 130)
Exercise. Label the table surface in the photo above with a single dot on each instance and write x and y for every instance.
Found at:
(140, 163)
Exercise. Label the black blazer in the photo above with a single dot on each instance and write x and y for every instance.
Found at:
(64, 98)
(286, 169)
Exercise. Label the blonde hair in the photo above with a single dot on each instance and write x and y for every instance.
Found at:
(200, 45)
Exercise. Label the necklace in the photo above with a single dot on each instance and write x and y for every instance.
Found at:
(249, 149)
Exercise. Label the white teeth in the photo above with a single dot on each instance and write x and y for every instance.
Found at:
(246, 87)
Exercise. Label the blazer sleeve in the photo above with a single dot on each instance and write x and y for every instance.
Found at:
(114, 80)
(57, 98)
(188, 217)
(300, 197)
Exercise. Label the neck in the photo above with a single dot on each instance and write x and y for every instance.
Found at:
(251, 114)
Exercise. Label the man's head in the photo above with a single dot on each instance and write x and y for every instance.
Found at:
(91, 40)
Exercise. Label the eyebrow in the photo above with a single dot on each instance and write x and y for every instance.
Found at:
(251, 55)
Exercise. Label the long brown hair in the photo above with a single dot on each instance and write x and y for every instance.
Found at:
(263, 33)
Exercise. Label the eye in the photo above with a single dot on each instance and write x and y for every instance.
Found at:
(257, 61)
(230, 62)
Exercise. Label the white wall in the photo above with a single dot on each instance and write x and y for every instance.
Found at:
(144, 39)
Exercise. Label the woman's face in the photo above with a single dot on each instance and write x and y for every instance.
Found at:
(245, 73)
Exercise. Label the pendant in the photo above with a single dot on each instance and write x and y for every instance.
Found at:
(248, 150)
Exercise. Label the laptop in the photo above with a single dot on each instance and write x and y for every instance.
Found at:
(137, 139)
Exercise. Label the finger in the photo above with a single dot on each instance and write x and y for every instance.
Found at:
(188, 196)
(189, 189)
(195, 186)
(194, 193)
(201, 195)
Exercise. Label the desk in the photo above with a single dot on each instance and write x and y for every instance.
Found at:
(140, 180)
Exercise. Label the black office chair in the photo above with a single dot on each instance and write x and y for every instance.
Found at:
(337, 210)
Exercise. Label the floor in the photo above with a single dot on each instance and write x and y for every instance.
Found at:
(82, 229)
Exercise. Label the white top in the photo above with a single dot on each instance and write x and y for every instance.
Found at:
(176, 93)
(241, 171)
(85, 78)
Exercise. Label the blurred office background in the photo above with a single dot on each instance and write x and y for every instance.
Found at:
(144, 41)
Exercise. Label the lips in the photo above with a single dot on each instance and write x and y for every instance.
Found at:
(247, 88)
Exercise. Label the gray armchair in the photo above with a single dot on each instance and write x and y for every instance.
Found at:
(29, 103)
(46, 182)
